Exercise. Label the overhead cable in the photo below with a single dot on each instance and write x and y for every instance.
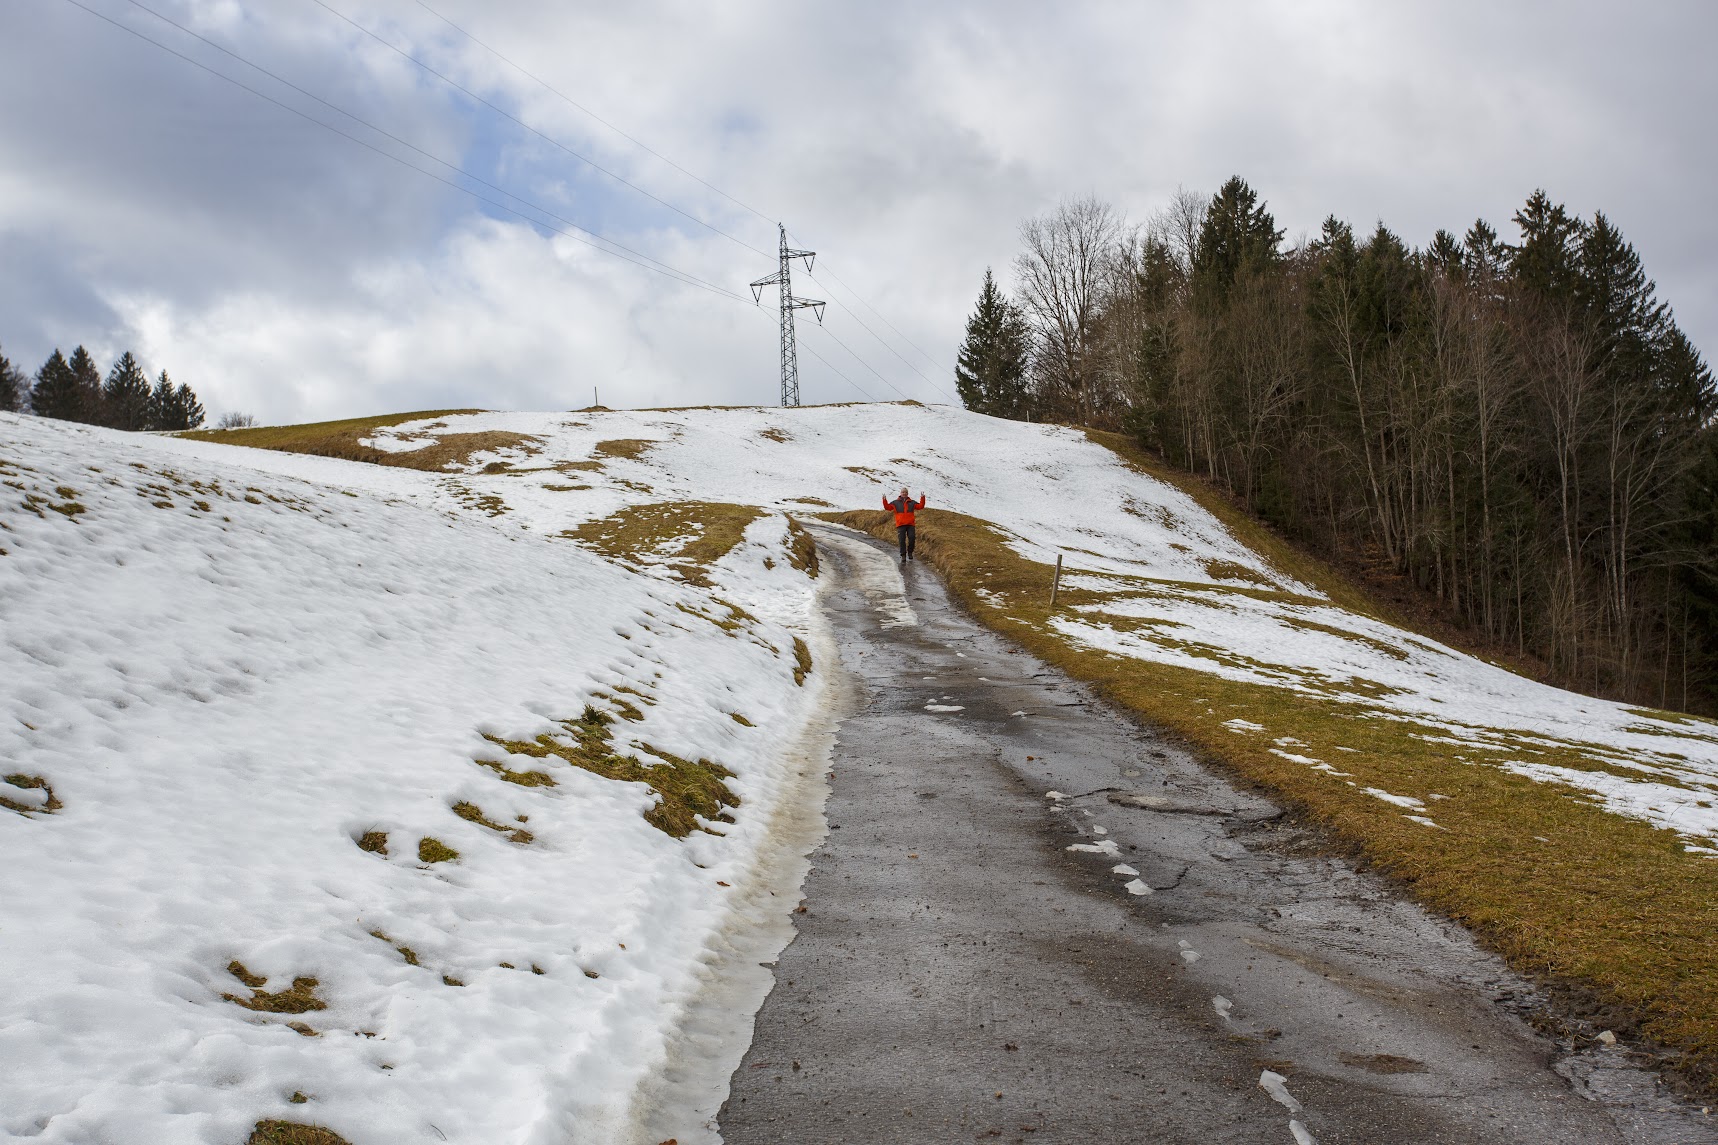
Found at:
(612, 248)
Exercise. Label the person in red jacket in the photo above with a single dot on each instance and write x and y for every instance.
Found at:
(906, 532)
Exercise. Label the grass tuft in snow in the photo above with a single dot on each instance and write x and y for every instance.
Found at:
(376, 842)
(685, 790)
(406, 952)
(472, 813)
(32, 793)
(433, 850)
(801, 661)
(299, 999)
(741, 720)
(801, 549)
(293, 1133)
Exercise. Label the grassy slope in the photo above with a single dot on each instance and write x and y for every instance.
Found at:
(1609, 911)
(344, 439)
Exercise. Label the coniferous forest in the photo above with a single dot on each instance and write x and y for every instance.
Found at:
(74, 389)
(1515, 425)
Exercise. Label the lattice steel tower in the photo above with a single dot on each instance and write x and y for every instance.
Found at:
(789, 348)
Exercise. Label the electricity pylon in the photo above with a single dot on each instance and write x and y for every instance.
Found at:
(789, 349)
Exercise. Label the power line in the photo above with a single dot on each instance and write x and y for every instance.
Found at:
(456, 85)
(880, 338)
(624, 253)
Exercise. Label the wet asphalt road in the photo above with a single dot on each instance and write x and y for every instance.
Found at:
(959, 974)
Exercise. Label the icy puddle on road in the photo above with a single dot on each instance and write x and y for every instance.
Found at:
(1033, 921)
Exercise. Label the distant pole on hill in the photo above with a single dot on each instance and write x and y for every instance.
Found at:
(783, 281)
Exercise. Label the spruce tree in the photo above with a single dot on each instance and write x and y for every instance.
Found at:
(87, 388)
(990, 372)
(56, 391)
(13, 387)
(1238, 237)
(187, 409)
(125, 398)
(173, 407)
(1546, 261)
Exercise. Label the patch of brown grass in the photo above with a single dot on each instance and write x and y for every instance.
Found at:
(686, 536)
(1609, 903)
(685, 790)
(300, 998)
(29, 783)
(344, 439)
(801, 661)
(376, 842)
(801, 549)
(433, 850)
(631, 448)
(472, 813)
(293, 1133)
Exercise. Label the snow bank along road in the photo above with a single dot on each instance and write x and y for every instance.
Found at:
(1033, 921)
(328, 805)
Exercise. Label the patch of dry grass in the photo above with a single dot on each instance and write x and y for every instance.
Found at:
(801, 549)
(23, 783)
(686, 536)
(631, 448)
(293, 1133)
(300, 998)
(472, 813)
(344, 439)
(801, 661)
(433, 850)
(1608, 908)
(685, 790)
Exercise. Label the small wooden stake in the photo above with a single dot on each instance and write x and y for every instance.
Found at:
(1056, 585)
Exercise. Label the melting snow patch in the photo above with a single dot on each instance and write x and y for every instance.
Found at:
(1398, 800)
(1105, 847)
(1221, 1005)
(944, 708)
(1054, 795)
(1239, 726)
(1293, 758)
(1302, 1135)
(1424, 822)
(1275, 1085)
(1138, 887)
(1122, 869)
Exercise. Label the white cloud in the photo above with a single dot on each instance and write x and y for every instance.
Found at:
(279, 268)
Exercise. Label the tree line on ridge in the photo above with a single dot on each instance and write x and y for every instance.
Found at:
(1520, 427)
(73, 389)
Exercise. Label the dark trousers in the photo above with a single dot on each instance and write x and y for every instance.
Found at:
(908, 535)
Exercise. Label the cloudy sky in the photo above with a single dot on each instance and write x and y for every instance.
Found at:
(289, 271)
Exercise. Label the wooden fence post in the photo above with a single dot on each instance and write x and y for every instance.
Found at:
(1056, 585)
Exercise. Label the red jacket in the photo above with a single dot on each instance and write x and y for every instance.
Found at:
(903, 508)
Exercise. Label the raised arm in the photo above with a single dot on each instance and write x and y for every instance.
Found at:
(921, 503)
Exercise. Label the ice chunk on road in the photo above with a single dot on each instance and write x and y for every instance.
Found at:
(1275, 1084)
(1136, 887)
(1102, 847)
(1221, 1005)
(1122, 869)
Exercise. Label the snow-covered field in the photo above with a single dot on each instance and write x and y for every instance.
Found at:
(230, 666)
(1179, 587)
(228, 677)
